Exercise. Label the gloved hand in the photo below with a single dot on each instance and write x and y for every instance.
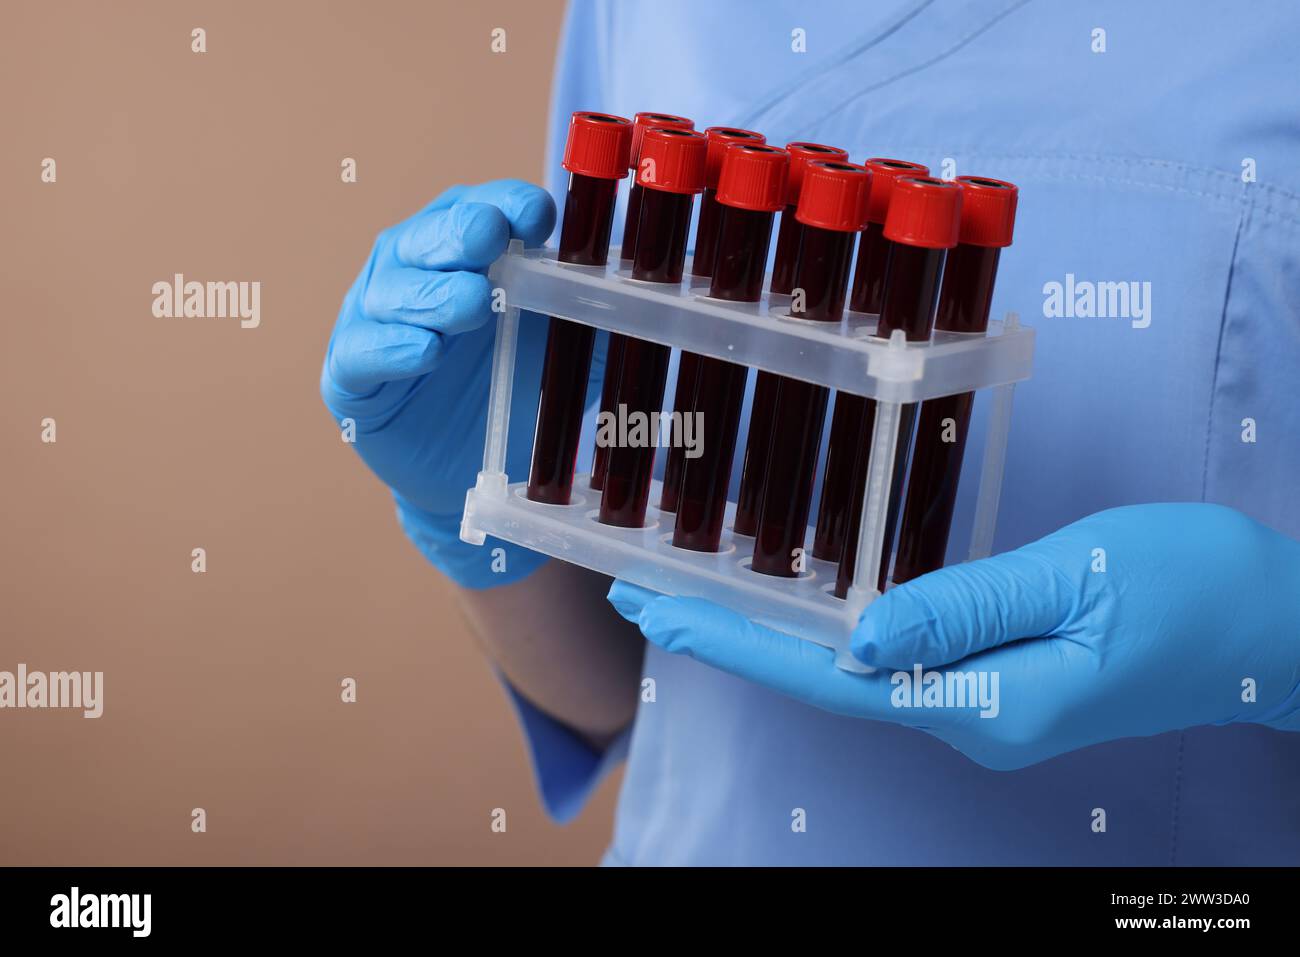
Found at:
(409, 362)
(1138, 620)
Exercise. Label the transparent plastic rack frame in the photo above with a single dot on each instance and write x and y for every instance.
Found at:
(844, 355)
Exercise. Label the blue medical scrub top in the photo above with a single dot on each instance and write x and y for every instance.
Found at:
(1164, 151)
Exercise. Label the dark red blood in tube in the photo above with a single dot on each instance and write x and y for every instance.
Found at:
(873, 250)
(987, 222)
(758, 443)
(910, 297)
(661, 243)
(751, 190)
(787, 237)
(834, 517)
(608, 392)
(672, 171)
(641, 123)
(847, 424)
(832, 209)
(596, 157)
(706, 232)
(858, 481)
(632, 222)
(706, 245)
(967, 292)
(688, 376)
(787, 251)
(923, 537)
(744, 237)
(922, 225)
(853, 414)
(702, 502)
(706, 235)
(634, 194)
(787, 496)
(758, 439)
(627, 478)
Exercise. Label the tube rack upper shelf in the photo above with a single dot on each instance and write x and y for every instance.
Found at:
(844, 355)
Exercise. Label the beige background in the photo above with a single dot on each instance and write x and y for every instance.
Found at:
(222, 689)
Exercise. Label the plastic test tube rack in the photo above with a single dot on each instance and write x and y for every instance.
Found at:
(840, 355)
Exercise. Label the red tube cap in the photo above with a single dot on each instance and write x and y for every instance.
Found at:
(834, 196)
(924, 211)
(598, 145)
(651, 121)
(801, 154)
(988, 211)
(720, 137)
(672, 161)
(753, 177)
(884, 172)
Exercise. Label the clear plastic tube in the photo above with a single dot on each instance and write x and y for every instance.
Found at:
(912, 290)
(660, 258)
(851, 421)
(743, 239)
(584, 240)
(799, 412)
(944, 422)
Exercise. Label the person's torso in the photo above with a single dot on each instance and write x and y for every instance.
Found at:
(1166, 168)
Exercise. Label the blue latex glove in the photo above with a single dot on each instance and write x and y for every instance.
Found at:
(409, 362)
(1197, 606)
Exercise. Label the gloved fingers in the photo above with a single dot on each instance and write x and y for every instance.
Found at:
(473, 230)
(446, 302)
(448, 197)
(462, 236)
(725, 640)
(528, 209)
(958, 611)
(365, 354)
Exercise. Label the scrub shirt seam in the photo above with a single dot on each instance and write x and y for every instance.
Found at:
(836, 60)
(919, 67)
(1218, 353)
(1279, 203)
(1146, 184)
(1205, 479)
(1089, 158)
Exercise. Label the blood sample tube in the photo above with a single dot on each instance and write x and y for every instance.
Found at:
(672, 172)
(641, 123)
(595, 155)
(608, 388)
(758, 442)
(850, 427)
(751, 190)
(754, 466)
(988, 215)
(706, 237)
(614, 350)
(873, 249)
(706, 231)
(787, 237)
(832, 209)
(923, 222)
